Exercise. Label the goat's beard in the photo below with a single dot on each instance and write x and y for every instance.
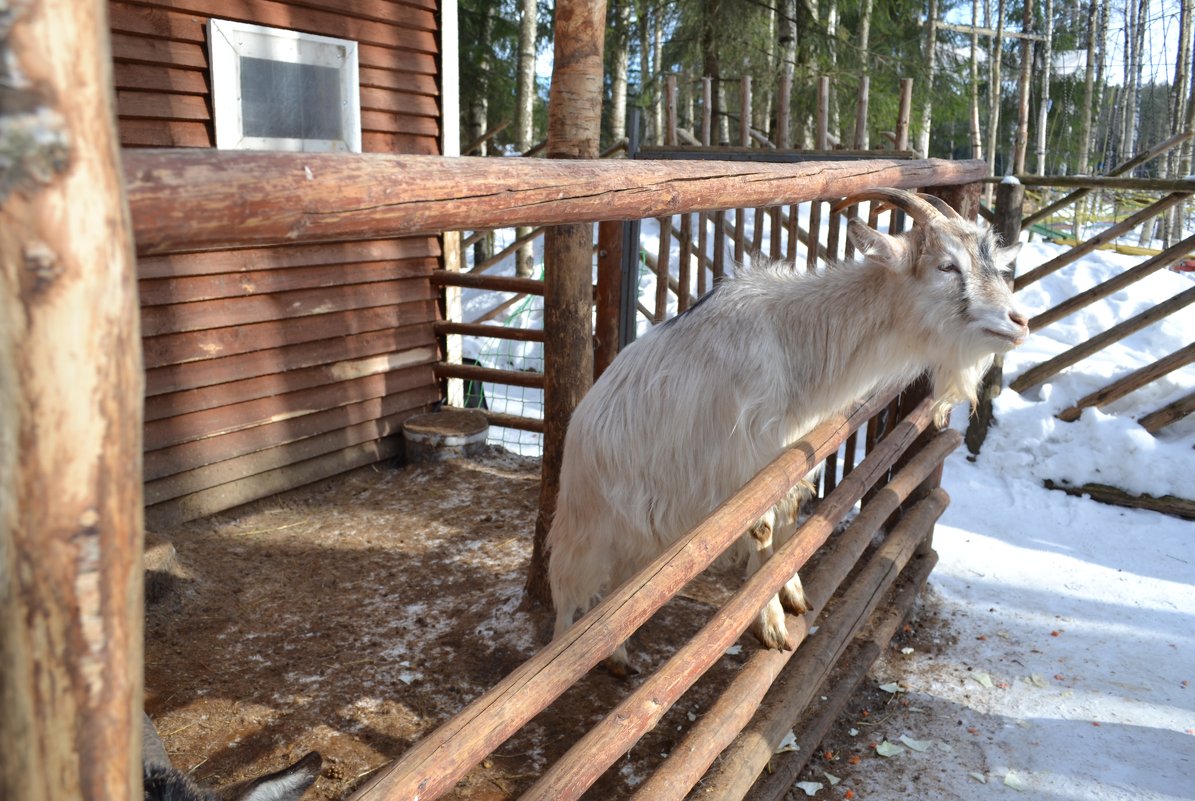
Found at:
(956, 384)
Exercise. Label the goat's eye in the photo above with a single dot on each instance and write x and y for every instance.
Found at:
(948, 267)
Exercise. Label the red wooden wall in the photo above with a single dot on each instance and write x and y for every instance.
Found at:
(269, 368)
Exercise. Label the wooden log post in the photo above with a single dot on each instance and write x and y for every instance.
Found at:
(609, 295)
(574, 124)
(1010, 197)
(71, 386)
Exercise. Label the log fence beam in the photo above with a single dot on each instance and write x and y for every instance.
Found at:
(198, 200)
(1171, 255)
(1102, 238)
(1120, 169)
(434, 765)
(1036, 375)
(1170, 413)
(613, 736)
(748, 756)
(1130, 383)
(717, 726)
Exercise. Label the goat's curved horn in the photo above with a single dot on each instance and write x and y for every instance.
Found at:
(915, 206)
(941, 205)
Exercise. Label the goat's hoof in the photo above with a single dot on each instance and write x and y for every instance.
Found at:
(620, 669)
(769, 626)
(792, 598)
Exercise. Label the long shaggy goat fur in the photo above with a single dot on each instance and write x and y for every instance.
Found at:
(687, 414)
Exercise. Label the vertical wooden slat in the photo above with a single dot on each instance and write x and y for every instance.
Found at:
(71, 385)
(821, 142)
(609, 295)
(574, 123)
(664, 256)
(740, 218)
(1010, 199)
(707, 116)
(782, 142)
(684, 270)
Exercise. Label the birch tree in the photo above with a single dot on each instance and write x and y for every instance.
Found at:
(931, 53)
(524, 117)
(1089, 100)
(1046, 70)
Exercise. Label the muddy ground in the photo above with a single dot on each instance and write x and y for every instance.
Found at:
(354, 616)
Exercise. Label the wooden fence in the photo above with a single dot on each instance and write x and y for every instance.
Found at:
(706, 242)
(1010, 218)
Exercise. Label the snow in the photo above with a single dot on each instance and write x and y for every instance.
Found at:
(1082, 613)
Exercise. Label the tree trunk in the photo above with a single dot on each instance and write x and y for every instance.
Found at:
(478, 119)
(524, 118)
(1044, 101)
(574, 126)
(711, 66)
(620, 26)
(71, 388)
(994, 94)
(931, 57)
(833, 120)
(646, 67)
(657, 54)
(976, 136)
(1083, 165)
(862, 140)
(1178, 116)
(1021, 144)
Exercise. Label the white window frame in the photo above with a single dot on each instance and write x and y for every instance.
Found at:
(229, 42)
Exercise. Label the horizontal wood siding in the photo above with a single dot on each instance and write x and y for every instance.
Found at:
(268, 368)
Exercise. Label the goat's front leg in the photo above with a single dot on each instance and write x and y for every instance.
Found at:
(769, 626)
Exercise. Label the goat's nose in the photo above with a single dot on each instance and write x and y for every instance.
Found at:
(1018, 318)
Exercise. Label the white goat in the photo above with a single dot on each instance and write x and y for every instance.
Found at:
(687, 414)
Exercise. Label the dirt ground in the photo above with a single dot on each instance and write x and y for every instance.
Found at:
(354, 616)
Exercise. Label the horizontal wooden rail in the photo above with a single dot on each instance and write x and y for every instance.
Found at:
(613, 736)
(748, 756)
(469, 372)
(1130, 276)
(183, 199)
(497, 283)
(1183, 185)
(1130, 383)
(1038, 374)
(433, 766)
(496, 331)
(533, 424)
(1120, 169)
(1102, 238)
(718, 725)
(1170, 413)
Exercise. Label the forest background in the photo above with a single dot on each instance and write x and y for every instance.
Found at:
(1054, 87)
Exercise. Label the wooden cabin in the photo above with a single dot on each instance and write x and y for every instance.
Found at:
(269, 368)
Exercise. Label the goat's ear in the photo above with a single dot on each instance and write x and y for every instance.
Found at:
(1005, 258)
(868, 240)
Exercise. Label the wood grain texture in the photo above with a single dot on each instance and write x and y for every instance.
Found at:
(433, 765)
(192, 200)
(70, 430)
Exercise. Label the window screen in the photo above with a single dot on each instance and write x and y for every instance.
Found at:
(274, 89)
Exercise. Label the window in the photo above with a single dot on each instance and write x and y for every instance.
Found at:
(274, 89)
